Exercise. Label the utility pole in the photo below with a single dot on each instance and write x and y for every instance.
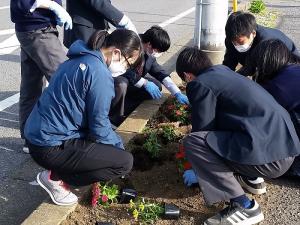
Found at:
(211, 17)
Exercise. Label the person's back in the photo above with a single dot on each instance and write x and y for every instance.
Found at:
(247, 122)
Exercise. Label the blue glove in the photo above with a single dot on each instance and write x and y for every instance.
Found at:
(62, 16)
(181, 98)
(153, 90)
(189, 178)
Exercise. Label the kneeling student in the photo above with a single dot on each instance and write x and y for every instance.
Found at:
(237, 127)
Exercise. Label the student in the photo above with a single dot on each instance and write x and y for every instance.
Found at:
(41, 50)
(133, 87)
(278, 71)
(237, 127)
(89, 16)
(68, 131)
(243, 35)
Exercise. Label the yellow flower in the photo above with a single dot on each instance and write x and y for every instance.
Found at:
(131, 204)
(142, 207)
(135, 214)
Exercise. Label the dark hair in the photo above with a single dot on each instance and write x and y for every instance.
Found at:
(192, 60)
(125, 40)
(240, 24)
(158, 38)
(269, 57)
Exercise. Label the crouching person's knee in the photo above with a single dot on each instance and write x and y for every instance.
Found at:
(127, 163)
(194, 142)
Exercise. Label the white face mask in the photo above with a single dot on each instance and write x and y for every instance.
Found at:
(156, 54)
(245, 47)
(116, 68)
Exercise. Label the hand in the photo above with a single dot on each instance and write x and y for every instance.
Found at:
(152, 89)
(189, 178)
(181, 98)
(62, 16)
(127, 24)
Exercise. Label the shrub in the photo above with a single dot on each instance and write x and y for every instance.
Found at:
(257, 6)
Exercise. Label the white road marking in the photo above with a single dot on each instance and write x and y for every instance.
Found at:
(7, 32)
(12, 43)
(6, 103)
(178, 17)
(9, 45)
(4, 7)
(14, 121)
(6, 149)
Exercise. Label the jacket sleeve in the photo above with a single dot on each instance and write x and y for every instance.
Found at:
(203, 102)
(157, 71)
(106, 9)
(230, 57)
(98, 99)
(22, 5)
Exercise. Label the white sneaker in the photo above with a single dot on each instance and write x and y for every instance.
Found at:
(57, 190)
(25, 149)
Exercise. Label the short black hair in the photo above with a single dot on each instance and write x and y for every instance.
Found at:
(158, 38)
(240, 24)
(192, 60)
(269, 57)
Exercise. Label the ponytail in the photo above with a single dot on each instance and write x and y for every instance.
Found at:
(97, 40)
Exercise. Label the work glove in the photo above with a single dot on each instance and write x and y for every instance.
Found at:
(189, 178)
(153, 90)
(181, 98)
(62, 16)
(127, 24)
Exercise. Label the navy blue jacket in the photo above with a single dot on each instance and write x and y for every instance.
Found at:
(25, 20)
(246, 123)
(285, 88)
(233, 57)
(150, 66)
(76, 103)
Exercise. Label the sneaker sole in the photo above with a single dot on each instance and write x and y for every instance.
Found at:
(252, 190)
(254, 220)
(51, 195)
(26, 150)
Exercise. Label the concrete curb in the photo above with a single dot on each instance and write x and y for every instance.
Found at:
(49, 214)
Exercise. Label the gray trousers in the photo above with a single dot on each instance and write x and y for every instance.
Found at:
(215, 174)
(41, 54)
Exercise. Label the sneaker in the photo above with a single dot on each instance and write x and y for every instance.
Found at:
(58, 190)
(257, 186)
(234, 214)
(25, 148)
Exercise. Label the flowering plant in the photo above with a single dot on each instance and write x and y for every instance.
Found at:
(183, 163)
(175, 111)
(146, 212)
(103, 194)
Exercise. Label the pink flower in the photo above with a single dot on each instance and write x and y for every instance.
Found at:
(104, 198)
(94, 201)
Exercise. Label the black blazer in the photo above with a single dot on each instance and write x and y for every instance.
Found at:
(88, 16)
(233, 57)
(246, 123)
(150, 66)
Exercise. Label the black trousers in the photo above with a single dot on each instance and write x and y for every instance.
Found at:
(127, 98)
(81, 162)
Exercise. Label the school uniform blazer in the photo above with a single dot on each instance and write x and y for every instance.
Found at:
(245, 123)
(233, 57)
(284, 87)
(151, 66)
(88, 16)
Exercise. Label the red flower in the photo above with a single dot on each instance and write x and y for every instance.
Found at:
(180, 155)
(178, 113)
(187, 165)
(104, 198)
(94, 201)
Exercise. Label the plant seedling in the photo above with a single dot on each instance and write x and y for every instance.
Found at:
(257, 6)
(152, 145)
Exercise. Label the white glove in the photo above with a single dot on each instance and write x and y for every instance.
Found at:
(62, 16)
(127, 24)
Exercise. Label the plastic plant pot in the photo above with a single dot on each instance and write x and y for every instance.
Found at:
(126, 195)
(104, 223)
(172, 212)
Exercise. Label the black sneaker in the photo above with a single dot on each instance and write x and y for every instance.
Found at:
(257, 186)
(234, 214)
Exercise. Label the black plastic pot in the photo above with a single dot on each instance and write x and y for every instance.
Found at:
(104, 223)
(172, 212)
(127, 194)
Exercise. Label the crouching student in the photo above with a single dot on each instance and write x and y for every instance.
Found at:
(278, 71)
(133, 87)
(237, 127)
(243, 35)
(68, 131)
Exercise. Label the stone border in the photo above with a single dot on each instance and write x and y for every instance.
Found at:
(49, 214)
